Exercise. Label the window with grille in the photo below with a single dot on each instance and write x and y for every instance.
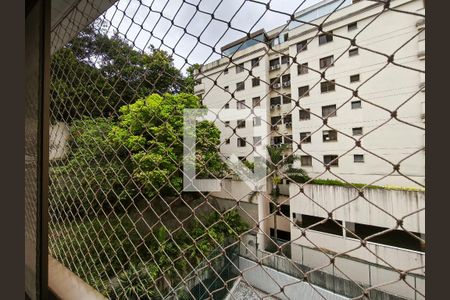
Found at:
(227, 105)
(305, 137)
(275, 120)
(240, 86)
(331, 160)
(358, 158)
(353, 52)
(285, 59)
(352, 26)
(356, 104)
(303, 91)
(256, 101)
(288, 139)
(240, 68)
(302, 69)
(357, 131)
(240, 123)
(306, 160)
(240, 104)
(256, 140)
(304, 114)
(255, 62)
(287, 119)
(275, 101)
(325, 38)
(354, 78)
(302, 46)
(241, 142)
(287, 99)
(327, 86)
(326, 61)
(329, 135)
(255, 82)
(277, 140)
(329, 111)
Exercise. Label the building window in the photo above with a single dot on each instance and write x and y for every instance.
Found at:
(305, 114)
(277, 140)
(303, 91)
(354, 78)
(275, 101)
(287, 119)
(227, 106)
(255, 62)
(226, 88)
(256, 101)
(302, 69)
(287, 99)
(326, 61)
(241, 142)
(227, 123)
(240, 123)
(356, 104)
(329, 135)
(225, 72)
(352, 26)
(353, 52)
(327, 86)
(302, 46)
(275, 83)
(240, 104)
(275, 120)
(240, 68)
(331, 160)
(227, 141)
(240, 86)
(286, 36)
(288, 139)
(256, 121)
(329, 111)
(318, 224)
(357, 131)
(285, 59)
(358, 158)
(256, 140)
(274, 64)
(325, 38)
(305, 160)
(255, 82)
(286, 80)
(305, 137)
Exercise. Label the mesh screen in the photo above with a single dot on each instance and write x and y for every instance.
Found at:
(301, 175)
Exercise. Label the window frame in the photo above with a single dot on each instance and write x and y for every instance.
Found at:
(353, 76)
(308, 158)
(356, 101)
(303, 44)
(306, 94)
(307, 137)
(302, 66)
(240, 123)
(358, 161)
(357, 128)
(330, 133)
(323, 66)
(326, 35)
(237, 86)
(240, 68)
(257, 80)
(328, 115)
(239, 142)
(353, 52)
(335, 158)
(352, 26)
(327, 84)
(308, 110)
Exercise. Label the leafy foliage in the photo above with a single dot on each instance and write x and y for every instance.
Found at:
(97, 72)
(138, 155)
(118, 272)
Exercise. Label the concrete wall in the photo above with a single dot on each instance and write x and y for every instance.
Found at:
(317, 200)
(58, 140)
(270, 281)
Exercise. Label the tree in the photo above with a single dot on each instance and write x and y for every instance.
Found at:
(97, 72)
(278, 168)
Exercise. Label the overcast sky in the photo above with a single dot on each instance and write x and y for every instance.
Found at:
(245, 15)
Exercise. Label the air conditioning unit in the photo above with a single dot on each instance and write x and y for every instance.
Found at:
(272, 106)
(274, 127)
(274, 67)
(278, 106)
(286, 84)
(288, 125)
(276, 85)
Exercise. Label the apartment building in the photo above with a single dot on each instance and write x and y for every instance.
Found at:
(298, 99)
(321, 120)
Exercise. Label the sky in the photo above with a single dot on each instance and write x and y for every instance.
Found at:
(149, 22)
